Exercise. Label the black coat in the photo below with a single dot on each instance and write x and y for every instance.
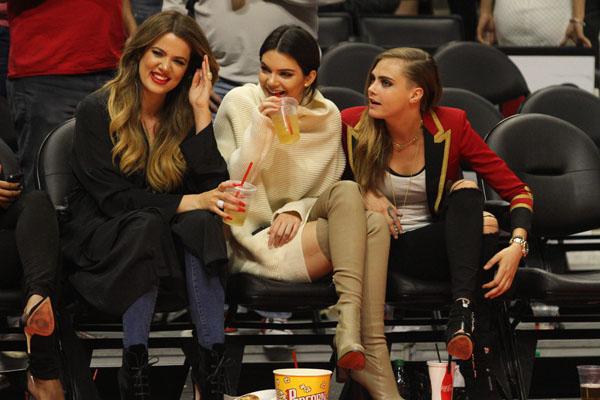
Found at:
(124, 239)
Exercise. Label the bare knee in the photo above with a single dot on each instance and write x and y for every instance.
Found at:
(463, 184)
(490, 223)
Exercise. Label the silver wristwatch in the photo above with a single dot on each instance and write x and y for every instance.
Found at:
(520, 240)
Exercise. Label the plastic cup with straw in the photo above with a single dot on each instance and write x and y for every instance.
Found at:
(242, 190)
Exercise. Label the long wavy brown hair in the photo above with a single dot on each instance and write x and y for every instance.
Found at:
(373, 149)
(161, 161)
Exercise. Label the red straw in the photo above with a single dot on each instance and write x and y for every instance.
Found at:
(294, 358)
(245, 175)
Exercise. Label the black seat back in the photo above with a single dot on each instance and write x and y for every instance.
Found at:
(54, 174)
(347, 65)
(343, 97)
(569, 103)
(482, 69)
(334, 28)
(560, 163)
(482, 114)
(426, 32)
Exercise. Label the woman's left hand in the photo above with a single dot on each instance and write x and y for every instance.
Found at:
(284, 229)
(508, 262)
(574, 33)
(200, 91)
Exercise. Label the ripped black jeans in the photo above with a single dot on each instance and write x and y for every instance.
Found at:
(453, 248)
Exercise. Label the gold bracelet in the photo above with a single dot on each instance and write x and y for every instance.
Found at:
(577, 21)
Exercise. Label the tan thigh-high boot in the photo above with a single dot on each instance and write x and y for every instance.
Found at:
(344, 242)
(377, 376)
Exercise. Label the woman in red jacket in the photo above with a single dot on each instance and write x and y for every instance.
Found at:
(405, 153)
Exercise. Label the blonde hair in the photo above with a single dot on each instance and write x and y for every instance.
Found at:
(373, 149)
(162, 161)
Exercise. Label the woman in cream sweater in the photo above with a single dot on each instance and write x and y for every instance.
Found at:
(302, 223)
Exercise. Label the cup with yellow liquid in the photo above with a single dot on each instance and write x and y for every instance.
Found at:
(285, 122)
(243, 192)
(589, 381)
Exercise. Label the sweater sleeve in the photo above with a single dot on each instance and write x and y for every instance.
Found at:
(240, 140)
(498, 175)
(302, 207)
(94, 168)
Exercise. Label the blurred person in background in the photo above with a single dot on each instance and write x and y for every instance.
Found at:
(532, 23)
(60, 51)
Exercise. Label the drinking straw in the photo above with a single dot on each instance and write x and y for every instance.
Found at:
(437, 350)
(295, 358)
(288, 124)
(246, 174)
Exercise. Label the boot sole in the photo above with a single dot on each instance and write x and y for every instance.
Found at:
(460, 347)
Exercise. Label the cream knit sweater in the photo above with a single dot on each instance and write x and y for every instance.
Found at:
(289, 177)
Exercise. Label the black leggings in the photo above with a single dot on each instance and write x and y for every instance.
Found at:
(452, 248)
(29, 245)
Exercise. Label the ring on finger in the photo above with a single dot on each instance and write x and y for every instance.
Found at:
(220, 204)
(396, 229)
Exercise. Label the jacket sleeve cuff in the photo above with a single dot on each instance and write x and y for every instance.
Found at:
(520, 217)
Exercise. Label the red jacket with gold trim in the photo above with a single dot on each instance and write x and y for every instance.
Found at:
(449, 142)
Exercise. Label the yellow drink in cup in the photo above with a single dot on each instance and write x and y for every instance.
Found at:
(589, 381)
(243, 193)
(302, 384)
(285, 122)
(288, 129)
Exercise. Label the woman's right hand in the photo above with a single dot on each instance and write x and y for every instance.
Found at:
(486, 29)
(269, 106)
(210, 201)
(376, 202)
(9, 192)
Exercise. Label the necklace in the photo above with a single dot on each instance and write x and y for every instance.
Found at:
(409, 180)
(402, 146)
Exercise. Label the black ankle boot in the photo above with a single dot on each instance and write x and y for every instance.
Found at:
(208, 372)
(133, 374)
(459, 331)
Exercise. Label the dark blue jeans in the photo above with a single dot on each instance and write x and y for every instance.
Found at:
(206, 300)
(39, 103)
(4, 47)
(142, 9)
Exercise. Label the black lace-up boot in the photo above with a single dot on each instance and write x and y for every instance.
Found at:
(133, 375)
(209, 372)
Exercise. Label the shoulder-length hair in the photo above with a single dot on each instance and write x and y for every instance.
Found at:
(374, 146)
(162, 161)
(299, 44)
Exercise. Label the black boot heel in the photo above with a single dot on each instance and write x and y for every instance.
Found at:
(459, 331)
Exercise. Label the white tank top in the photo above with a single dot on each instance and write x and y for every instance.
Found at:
(415, 212)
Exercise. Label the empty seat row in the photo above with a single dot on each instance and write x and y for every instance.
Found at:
(426, 32)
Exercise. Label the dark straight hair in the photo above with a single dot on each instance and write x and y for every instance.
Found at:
(299, 44)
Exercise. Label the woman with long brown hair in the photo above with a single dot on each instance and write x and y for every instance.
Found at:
(150, 197)
(406, 154)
